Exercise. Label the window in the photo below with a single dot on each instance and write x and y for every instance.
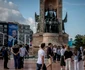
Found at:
(5, 30)
(5, 26)
(1, 26)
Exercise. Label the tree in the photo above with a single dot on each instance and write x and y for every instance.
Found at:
(83, 40)
(79, 41)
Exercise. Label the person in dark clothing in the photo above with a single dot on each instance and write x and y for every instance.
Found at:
(15, 50)
(79, 55)
(27, 48)
(84, 56)
(50, 55)
(68, 58)
(5, 57)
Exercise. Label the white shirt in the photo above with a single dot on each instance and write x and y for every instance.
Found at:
(22, 51)
(41, 53)
(62, 51)
(81, 48)
(54, 50)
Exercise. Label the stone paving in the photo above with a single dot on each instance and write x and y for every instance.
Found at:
(29, 64)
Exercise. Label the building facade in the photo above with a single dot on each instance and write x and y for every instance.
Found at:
(25, 34)
(12, 33)
(3, 33)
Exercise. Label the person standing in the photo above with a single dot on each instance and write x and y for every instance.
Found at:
(23, 51)
(75, 60)
(50, 55)
(80, 60)
(15, 51)
(41, 58)
(5, 56)
(62, 62)
(54, 52)
(58, 53)
(84, 56)
(27, 47)
(68, 58)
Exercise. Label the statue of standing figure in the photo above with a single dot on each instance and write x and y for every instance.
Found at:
(51, 22)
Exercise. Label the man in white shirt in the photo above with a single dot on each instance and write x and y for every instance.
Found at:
(41, 57)
(23, 52)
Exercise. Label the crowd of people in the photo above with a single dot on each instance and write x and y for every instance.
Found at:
(18, 52)
(68, 58)
(65, 56)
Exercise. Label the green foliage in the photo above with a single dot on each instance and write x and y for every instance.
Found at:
(79, 41)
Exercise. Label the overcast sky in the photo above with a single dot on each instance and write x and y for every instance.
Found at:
(23, 11)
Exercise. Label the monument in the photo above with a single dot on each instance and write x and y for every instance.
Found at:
(50, 27)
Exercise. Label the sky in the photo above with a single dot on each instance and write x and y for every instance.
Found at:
(23, 12)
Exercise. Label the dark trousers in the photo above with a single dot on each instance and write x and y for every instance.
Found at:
(58, 57)
(21, 62)
(5, 62)
(62, 62)
(54, 57)
(40, 65)
(17, 61)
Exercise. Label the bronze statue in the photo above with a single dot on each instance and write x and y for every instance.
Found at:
(51, 21)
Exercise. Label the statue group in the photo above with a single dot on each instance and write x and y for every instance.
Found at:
(51, 21)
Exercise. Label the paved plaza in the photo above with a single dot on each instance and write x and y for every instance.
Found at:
(30, 64)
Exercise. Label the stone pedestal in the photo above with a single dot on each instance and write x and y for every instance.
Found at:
(50, 38)
(54, 38)
(37, 39)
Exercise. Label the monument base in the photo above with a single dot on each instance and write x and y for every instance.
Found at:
(54, 38)
(50, 38)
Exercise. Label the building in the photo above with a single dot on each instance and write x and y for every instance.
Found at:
(3, 33)
(12, 33)
(25, 34)
(6, 32)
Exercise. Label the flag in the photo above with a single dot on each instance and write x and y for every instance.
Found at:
(36, 17)
(65, 19)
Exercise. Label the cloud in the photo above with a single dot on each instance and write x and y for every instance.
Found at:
(32, 24)
(10, 12)
(31, 20)
(75, 4)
